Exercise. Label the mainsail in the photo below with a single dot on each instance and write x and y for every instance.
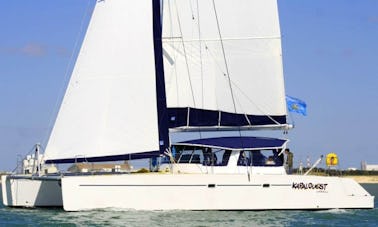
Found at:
(223, 63)
(110, 109)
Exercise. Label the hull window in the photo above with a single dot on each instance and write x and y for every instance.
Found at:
(260, 158)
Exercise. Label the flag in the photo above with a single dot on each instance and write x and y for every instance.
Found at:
(296, 105)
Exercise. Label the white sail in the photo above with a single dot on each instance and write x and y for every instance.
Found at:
(244, 78)
(109, 108)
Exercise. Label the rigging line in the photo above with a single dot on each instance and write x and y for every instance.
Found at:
(214, 59)
(193, 55)
(220, 69)
(185, 56)
(171, 49)
(209, 53)
(200, 52)
(66, 74)
(19, 164)
(191, 9)
(175, 53)
(225, 60)
(291, 118)
(250, 100)
(245, 113)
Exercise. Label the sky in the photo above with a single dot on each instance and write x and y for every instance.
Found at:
(330, 61)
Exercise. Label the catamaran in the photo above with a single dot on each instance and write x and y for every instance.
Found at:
(148, 69)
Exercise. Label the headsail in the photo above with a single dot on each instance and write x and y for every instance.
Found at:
(110, 109)
(223, 63)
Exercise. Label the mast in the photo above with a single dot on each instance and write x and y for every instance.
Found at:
(160, 81)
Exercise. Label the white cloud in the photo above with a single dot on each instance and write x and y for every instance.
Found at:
(34, 49)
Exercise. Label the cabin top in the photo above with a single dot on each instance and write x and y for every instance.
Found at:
(228, 155)
(237, 143)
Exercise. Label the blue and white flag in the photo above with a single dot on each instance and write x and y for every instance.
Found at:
(296, 105)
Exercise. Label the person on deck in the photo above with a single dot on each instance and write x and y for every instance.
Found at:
(289, 160)
(207, 156)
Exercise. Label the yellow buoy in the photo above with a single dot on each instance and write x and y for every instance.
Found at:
(332, 159)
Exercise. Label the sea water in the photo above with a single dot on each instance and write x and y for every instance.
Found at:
(116, 217)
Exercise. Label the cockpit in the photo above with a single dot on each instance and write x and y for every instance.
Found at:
(208, 156)
(226, 154)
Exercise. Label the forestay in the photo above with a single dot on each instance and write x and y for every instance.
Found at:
(110, 107)
(223, 63)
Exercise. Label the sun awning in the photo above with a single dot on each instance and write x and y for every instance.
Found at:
(237, 143)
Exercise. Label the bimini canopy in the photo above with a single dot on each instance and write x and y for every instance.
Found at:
(237, 143)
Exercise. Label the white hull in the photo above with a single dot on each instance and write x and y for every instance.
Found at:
(28, 191)
(211, 192)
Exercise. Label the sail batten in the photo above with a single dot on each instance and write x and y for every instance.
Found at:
(179, 39)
